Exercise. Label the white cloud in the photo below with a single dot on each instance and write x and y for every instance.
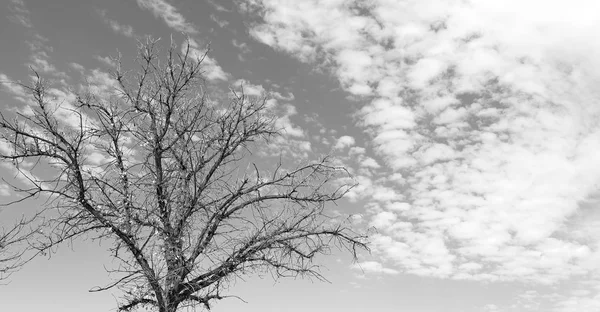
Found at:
(41, 63)
(344, 141)
(398, 206)
(217, 6)
(211, 69)
(241, 45)
(102, 83)
(170, 15)
(373, 267)
(117, 27)
(4, 190)
(285, 124)
(78, 67)
(383, 219)
(277, 95)
(105, 60)
(369, 162)
(12, 86)
(487, 110)
(357, 150)
(249, 88)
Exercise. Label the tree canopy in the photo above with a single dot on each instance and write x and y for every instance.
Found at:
(177, 182)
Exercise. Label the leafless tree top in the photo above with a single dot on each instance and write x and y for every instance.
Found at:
(177, 182)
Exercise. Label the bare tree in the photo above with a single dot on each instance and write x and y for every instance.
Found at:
(169, 176)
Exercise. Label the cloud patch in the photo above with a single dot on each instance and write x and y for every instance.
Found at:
(169, 14)
(488, 112)
(373, 267)
(123, 29)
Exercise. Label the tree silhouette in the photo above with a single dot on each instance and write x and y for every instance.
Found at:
(172, 179)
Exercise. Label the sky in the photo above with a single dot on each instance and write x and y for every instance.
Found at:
(471, 126)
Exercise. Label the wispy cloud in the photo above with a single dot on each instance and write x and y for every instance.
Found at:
(487, 111)
(40, 59)
(20, 13)
(170, 15)
(221, 22)
(243, 47)
(38, 44)
(105, 60)
(11, 86)
(126, 30)
(217, 6)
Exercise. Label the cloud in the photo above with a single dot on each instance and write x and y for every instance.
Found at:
(39, 58)
(221, 22)
(369, 162)
(249, 88)
(12, 86)
(78, 67)
(373, 267)
(61, 102)
(285, 124)
(344, 141)
(22, 173)
(491, 308)
(293, 141)
(105, 60)
(125, 30)
(217, 6)
(4, 190)
(20, 13)
(40, 62)
(174, 19)
(170, 15)
(241, 45)
(488, 112)
(211, 69)
(102, 84)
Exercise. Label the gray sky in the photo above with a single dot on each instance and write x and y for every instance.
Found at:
(472, 127)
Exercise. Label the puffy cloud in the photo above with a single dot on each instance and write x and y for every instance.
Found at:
(369, 162)
(487, 111)
(344, 141)
(249, 88)
(383, 219)
(284, 122)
